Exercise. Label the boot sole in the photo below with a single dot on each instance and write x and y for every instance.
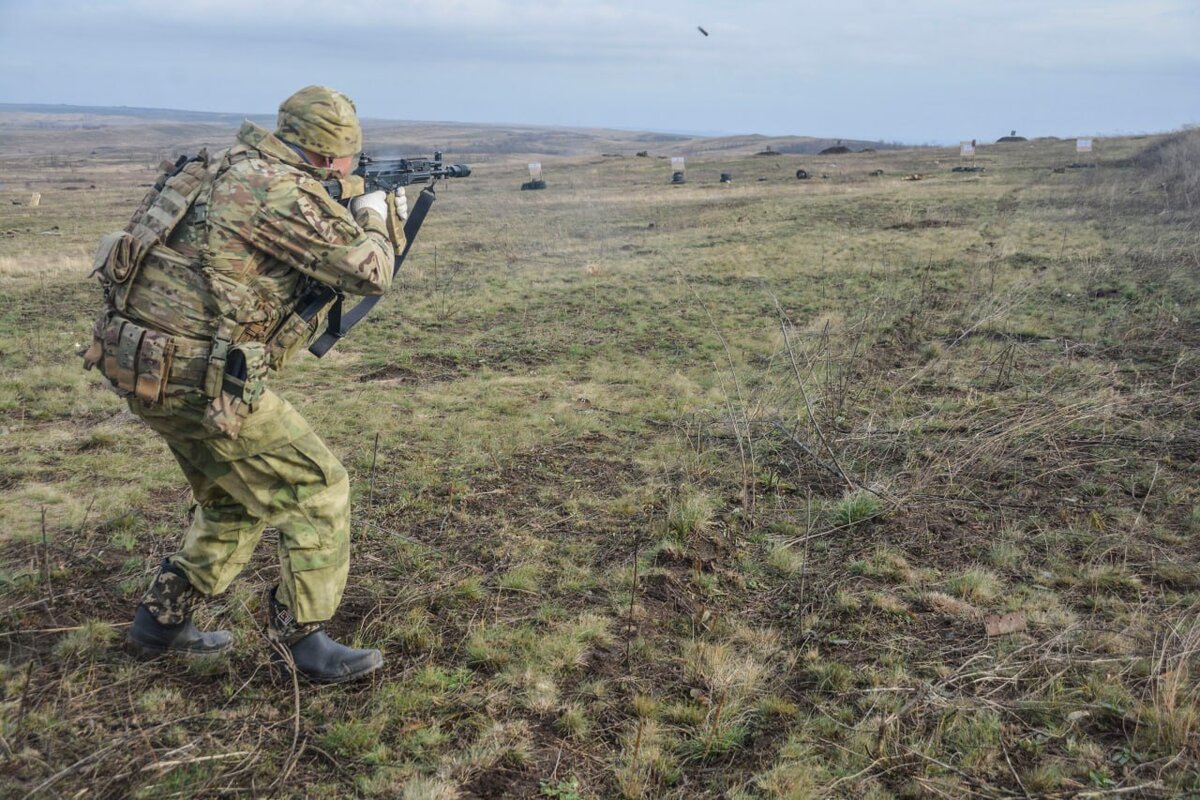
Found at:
(151, 651)
(285, 670)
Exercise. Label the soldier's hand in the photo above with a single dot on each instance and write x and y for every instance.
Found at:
(377, 201)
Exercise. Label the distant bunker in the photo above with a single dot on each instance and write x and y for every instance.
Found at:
(1006, 139)
(836, 150)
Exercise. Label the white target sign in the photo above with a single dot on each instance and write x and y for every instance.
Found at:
(1083, 145)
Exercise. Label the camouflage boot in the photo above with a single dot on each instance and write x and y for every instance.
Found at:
(163, 620)
(315, 656)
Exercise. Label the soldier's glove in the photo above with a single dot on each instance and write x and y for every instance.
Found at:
(397, 204)
(376, 201)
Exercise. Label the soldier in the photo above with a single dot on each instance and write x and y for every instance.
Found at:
(204, 289)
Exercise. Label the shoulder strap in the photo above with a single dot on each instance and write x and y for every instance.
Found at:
(177, 189)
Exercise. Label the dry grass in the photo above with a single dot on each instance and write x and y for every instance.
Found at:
(680, 492)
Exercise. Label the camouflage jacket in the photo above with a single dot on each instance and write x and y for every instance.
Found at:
(266, 231)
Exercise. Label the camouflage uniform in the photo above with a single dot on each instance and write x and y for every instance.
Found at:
(254, 235)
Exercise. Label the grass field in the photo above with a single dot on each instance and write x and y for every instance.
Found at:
(662, 491)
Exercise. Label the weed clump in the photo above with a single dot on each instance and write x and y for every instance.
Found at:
(857, 506)
(975, 586)
(692, 513)
(86, 641)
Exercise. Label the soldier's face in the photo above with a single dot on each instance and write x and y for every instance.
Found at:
(343, 165)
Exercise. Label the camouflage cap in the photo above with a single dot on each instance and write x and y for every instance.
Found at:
(322, 120)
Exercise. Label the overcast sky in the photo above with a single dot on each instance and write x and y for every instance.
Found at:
(908, 70)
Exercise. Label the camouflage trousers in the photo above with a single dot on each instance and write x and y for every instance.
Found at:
(277, 472)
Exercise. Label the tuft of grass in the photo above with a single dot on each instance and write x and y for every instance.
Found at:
(415, 632)
(492, 646)
(684, 713)
(427, 788)
(521, 578)
(573, 722)
(721, 669)
(975, 586)
(890, 604)
(857, 506)
(646, 763)
(350, 738)
(1004, 554)
(887, 564)
(847, 601)
(973, 737)
(785, 560)
(1045, 779)
(1110, 579)
(1179, 576)
(798, 773)
(469, 590)
(644, 706)
(950, 606)
(86, 641)
(774, 705)
(535, 690)
(159, 701)
(691, 513)
(827, 675)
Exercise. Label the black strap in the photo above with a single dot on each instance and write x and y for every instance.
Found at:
(340, 323)
(234, 379)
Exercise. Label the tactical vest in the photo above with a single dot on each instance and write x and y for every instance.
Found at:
(172, 325)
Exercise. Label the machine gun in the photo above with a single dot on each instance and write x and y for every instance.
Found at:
(386, 174)
(389, 174)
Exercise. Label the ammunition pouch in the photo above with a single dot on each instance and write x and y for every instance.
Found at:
(243, 382)
(142, 362)
(118, 258)
(246, 372)
(292, 335)
(234, 380)
(117, 262)
(135, 359)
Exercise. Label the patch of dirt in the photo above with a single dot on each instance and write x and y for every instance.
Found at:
(502, 781)
(920, 224)
(394, 373)
(425, 369)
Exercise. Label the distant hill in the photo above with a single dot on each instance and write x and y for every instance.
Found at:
(108, 131)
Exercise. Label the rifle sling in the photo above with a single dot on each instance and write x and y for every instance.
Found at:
(340, 323)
